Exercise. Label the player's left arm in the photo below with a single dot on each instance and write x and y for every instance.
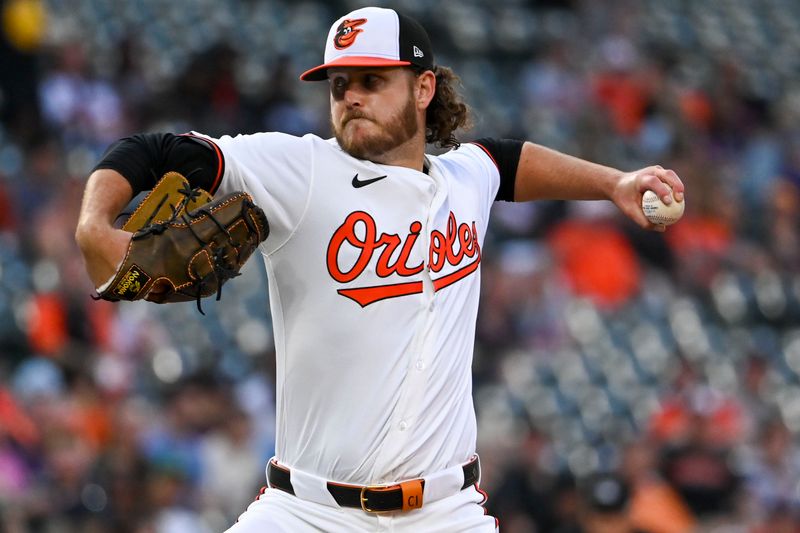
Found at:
(543, 173)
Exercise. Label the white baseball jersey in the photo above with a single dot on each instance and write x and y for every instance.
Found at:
(374, 274)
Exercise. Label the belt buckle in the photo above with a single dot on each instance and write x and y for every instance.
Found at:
(363, 499)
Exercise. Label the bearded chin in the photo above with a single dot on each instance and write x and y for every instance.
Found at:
(397, 130)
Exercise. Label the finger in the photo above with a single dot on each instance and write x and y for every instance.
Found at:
(652, 182)
(669, 177)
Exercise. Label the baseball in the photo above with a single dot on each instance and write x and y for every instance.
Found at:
(658, 212)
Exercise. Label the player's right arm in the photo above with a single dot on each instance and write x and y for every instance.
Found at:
(103, 246)
(130, 166)
(275, 168)
(544, 173)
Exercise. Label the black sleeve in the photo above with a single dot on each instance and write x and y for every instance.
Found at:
(505, 153)
(145, 157)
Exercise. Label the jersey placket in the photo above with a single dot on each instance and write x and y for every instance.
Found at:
(413, 389)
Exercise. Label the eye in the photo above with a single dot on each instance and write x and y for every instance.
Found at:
(371, 81)
(338, 85)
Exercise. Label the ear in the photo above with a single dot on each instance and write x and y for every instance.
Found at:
(425, 89)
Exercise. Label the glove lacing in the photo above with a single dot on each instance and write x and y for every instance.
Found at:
(220, 269)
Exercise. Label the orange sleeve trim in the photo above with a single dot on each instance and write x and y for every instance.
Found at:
(482, 147)
(482, 493)
(220, 160)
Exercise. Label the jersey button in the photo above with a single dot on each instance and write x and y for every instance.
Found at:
(420, 365)
(431, 305)
(403, 425)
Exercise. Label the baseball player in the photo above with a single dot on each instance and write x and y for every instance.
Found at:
(373, 263)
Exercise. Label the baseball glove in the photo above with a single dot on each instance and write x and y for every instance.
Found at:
(183, 249)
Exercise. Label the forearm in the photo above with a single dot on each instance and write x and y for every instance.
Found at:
(103, 247)
(106, 193)
(545, 174)
(132, 165)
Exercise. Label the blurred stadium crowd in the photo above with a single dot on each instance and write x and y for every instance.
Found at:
(624, 380)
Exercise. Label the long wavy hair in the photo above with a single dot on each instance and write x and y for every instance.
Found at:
(447, 111)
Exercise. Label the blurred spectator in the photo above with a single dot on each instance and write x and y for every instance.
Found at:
(283, 111)
(619, 87)
(84, 108)
(166, 488)
(655, 505)
(231, 466)
(121, 471)
(771, 473)
(192, 407)
(597, 260)
(520, 305)
(603, 507)
(700, 470)
(23, 29)
(525, 498)
(783, 232)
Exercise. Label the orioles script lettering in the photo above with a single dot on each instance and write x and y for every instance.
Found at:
(359, 232)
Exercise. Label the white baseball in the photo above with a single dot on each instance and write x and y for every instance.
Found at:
(658, 212)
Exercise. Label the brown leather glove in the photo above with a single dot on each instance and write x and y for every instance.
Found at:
(181, 255)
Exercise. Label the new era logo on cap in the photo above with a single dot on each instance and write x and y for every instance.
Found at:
(374, 37)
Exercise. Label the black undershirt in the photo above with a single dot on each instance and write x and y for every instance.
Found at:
(143, 158)
(505, 153)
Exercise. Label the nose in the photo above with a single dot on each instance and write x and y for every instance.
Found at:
(352, 96)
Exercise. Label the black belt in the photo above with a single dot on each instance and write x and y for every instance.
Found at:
(372, 499)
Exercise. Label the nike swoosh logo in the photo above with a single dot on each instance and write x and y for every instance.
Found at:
(357, 183)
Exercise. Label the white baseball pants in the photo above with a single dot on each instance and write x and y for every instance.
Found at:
(279, 512)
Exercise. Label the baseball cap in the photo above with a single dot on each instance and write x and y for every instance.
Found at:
(374, 37)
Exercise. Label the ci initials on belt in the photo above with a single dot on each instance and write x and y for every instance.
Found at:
(410, 491)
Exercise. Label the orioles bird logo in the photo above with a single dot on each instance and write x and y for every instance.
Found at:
(346, 33)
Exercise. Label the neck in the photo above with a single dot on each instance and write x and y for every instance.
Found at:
(410, 154)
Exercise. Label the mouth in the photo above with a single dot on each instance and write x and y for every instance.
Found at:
(357, 126)
(347, 120)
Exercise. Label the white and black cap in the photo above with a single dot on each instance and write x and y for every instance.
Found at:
(374, 37)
